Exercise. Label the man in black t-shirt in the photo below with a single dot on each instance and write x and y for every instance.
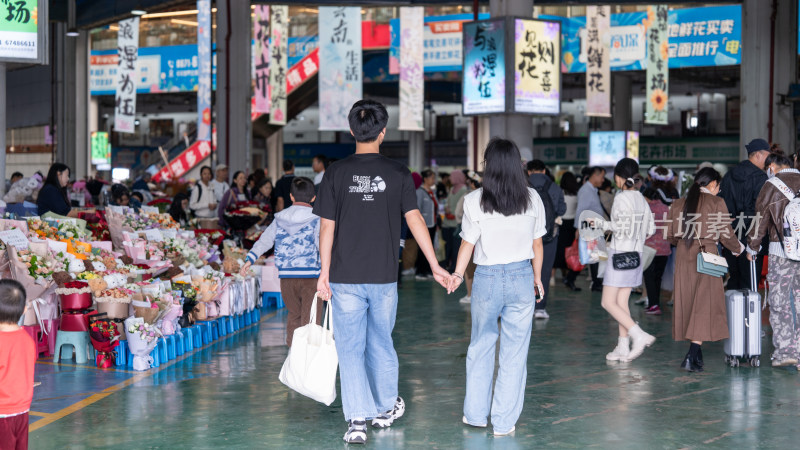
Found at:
(284, 186)
(361, 200)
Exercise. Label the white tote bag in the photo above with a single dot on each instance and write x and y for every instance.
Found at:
(311, 366)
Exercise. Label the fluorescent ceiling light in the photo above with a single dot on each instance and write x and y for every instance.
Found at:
(184, 22)
(72, 32)
(138, 12)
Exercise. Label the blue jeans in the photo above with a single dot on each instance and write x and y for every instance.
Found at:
(504, 291)
(363, 320)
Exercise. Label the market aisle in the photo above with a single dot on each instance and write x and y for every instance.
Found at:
(228, 394)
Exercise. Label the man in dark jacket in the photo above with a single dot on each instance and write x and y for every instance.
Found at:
(543, 184)
(740, 188)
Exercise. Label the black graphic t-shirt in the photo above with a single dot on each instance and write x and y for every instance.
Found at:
(366, 195)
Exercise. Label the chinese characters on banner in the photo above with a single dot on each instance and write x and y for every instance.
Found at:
(657, 77)
(537, 66)
(18, 32)
(278, 66)
(412, 82)
(598, 70)
(484, 82)
(261, 59)
(340, 61)
(128, 69)
(204, 70)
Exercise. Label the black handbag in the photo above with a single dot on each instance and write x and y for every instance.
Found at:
(626, 261)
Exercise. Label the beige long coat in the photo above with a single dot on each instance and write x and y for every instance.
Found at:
(699, 311)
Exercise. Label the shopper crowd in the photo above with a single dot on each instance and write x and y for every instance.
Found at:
(350, 234)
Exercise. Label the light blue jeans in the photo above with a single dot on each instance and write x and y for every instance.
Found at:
(504, 291)
(363, 320)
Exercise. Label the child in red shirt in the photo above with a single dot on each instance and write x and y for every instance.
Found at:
(17, 359)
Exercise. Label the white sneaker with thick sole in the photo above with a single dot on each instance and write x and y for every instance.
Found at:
(466, 422)
(507, 433)
(639, 341)
(540, 314)
(356, 432)
(465, 300)
(621, 351)
(385, 420)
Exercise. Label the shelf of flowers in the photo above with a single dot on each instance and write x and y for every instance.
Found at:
(152, 271)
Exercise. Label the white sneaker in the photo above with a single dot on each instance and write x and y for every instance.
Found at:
(552, 281)
(507, 433)
(356, 432)
(385, 420)
(466, 422)
(621, 351)
(639, 341)
(410, 271)
(466, 300)
(540, 314)
(644, 302)
(423, 277)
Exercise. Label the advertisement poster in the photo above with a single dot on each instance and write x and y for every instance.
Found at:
(127, 72)
(537, 75)
(278, 64)
(657, 76)
(412, 82)
(484, 81)
(261, 59)
(101, 152)
(204, 70)
(19, 36)
(598, 71)
(632, 145)
(340, 60)
(606, 148)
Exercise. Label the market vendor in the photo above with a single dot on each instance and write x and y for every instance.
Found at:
(53, 196)
(179, 208)
(202, 201)
(237, 193)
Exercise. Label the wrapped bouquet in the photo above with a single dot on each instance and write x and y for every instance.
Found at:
(104, 336)
(142, 339)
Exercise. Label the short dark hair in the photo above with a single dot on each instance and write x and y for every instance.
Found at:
(505, 188)
(17, 174)
(287, 165)
(12, 301)
(593, 170)
(426, 173)
(367, 119)
(137, 195)
(323, 159)
(536, 165)
(302, 189)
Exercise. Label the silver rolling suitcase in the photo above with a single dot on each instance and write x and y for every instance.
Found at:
(744, 323)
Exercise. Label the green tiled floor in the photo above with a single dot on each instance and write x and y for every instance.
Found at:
(228, 395)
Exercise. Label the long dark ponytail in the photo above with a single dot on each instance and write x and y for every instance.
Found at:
(702, 178)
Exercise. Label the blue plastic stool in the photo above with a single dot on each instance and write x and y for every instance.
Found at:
(248, 320)
(233, 324)
(122, 353)
(197, 336)
(214, 329)
(273, 299)
(188, 339)
(179, 345)
(257, 313)
(79, 340)
(156, 355)
(240, 318)
(205, 331)
(171, 351)
(161, 347)
(222, 323)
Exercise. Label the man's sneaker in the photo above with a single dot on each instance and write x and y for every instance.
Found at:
(385, 420)
(466, 422)
(654, 310)
(465, 300)
(356, 432)
(507, 433)
(642, 302)
(540, 314)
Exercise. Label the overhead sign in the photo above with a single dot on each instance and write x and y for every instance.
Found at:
(261, 59)
(412, 77)
(598, 75)
(340, 59)
(278, 63)
(101, 152)
(657, 76)
(204, 70)
(484, 81)
(537, 74)
(127, 72)
(184, 162)
(23, 31)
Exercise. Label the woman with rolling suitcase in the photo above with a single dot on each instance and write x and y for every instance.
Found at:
(697, 224)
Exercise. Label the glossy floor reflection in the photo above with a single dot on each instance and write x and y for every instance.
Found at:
(228, 394)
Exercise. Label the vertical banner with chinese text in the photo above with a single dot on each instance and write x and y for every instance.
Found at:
(279, 63)
(657, 78)
(483, 87)
(340, 61)
(412, 81)
(261, 59)
(598, 70)
(537, 62)
(127, 72)
(204, 70)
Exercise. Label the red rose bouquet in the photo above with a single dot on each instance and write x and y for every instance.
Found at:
(105, 337)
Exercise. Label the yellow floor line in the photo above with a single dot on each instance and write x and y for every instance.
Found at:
(38, 414)
(58, 415)
(82, 366)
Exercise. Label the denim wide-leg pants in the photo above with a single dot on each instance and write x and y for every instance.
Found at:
(500, 291)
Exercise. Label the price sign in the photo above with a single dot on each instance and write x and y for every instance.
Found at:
(15, 238)
(153, 235)
(170, 234)
(150, 209)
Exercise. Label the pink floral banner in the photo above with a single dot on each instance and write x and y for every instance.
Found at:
(412, 81)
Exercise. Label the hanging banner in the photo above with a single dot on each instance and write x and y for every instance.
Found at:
(657, 78)
(537, 67)
(261, 58)
(340, 61)
(204, 70)
(278, 64)
(483, 87)
(412, 81)
(598, 70)
(127, 71)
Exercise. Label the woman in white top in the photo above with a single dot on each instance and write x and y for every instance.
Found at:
(503, 222)
(631, 224)
(202, 200)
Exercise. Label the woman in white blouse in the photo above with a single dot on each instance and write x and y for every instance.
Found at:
(504, 222)
(202, 200)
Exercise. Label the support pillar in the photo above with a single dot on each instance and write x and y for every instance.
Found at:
(275, 155)
(622, 102)
(515, 127)
(234, 126)
(761, 64)
(416, 150)
(72, 110)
